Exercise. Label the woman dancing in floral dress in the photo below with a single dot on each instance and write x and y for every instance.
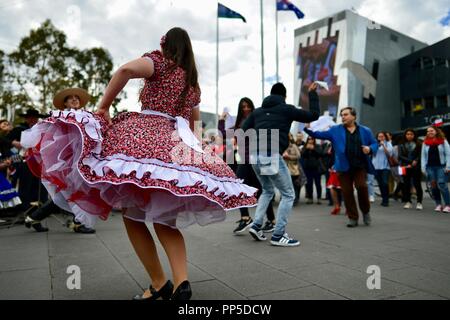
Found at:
(148, 163)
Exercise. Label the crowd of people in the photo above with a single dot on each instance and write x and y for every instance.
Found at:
(397, 168)
(141, 162)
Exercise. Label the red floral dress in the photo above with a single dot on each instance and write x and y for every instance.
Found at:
(143, 162)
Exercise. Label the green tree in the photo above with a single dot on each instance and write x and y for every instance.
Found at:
(92, 71)
(2, 68)
(43, 64)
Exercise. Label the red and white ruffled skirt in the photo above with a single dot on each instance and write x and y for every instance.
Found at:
(139, 163)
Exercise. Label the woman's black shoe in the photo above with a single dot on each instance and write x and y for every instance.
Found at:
(165, 293)
(183, 292)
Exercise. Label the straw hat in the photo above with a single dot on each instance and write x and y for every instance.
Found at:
(58, 100)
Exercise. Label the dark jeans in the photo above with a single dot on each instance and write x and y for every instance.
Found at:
(382, 177)
(438, 179)
(245, 172)
(313, 177)
(45, 211)
(358, 179)
(413, 176)
(297, 188)
(327, 192)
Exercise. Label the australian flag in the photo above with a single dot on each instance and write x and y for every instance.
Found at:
(224, 12)
(285, 5)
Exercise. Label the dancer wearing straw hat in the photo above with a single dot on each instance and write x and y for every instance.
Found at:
(67, 99)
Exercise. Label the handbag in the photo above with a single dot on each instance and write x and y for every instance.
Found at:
(393, 162)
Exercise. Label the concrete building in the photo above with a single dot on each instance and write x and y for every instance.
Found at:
(359, 60)
(425, 87)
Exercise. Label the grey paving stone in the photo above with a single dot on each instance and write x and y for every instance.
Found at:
(214, 290)
(24, 258)
(360, 260)
(348, 283)
(33, 284)
(409, 246)
(306, 293)
(83, 246)
(284, 258)
(432, 282)
(427, 260)
(103, 278)
(108, 286)
(259, 280)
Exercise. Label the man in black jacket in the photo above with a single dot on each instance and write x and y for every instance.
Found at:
(272, 123)
(30, 188)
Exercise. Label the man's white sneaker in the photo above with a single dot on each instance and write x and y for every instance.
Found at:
(408, 205)
(284, 241)
(419, 206)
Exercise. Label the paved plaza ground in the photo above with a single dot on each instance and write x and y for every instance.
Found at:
(410, 247)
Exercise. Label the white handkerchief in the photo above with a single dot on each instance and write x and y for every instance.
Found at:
(323, 84)
(322, 124)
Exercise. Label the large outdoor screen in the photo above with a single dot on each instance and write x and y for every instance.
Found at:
(317, 63)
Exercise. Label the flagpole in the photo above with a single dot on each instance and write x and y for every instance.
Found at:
(276, 35)
(217, 70)
(262, 50)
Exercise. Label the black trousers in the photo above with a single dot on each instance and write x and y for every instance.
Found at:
(413, 176)
(30, 187)
(46, 210)
(297, 188)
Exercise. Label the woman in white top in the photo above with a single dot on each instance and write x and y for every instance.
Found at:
(382, 168)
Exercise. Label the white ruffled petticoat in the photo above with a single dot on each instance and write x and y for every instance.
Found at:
(63, 146)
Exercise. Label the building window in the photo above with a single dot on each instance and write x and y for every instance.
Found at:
(429, 103)
(375, 68)
(442, 102)
(407, 108)
(417, 65)
(394, 38)
(370, 101)
(308, 41)
(417, 107)
(428, 63)
(413, 49)
(316, 39)
(440, 62)
(330, 24)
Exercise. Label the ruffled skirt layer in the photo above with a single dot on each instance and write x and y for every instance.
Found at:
(139, 164)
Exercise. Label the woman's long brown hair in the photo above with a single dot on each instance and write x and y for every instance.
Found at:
(178, 48)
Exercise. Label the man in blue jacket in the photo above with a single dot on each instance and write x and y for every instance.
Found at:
(353, 144)
(275, 117)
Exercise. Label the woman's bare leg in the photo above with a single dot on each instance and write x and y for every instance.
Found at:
(173, 242)
(144, 245)
(334, 197)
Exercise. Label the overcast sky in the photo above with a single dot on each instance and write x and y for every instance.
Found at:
(130, 28)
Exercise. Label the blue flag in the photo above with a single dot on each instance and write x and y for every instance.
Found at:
(224, 12)
(285, 5)
(446, 21)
